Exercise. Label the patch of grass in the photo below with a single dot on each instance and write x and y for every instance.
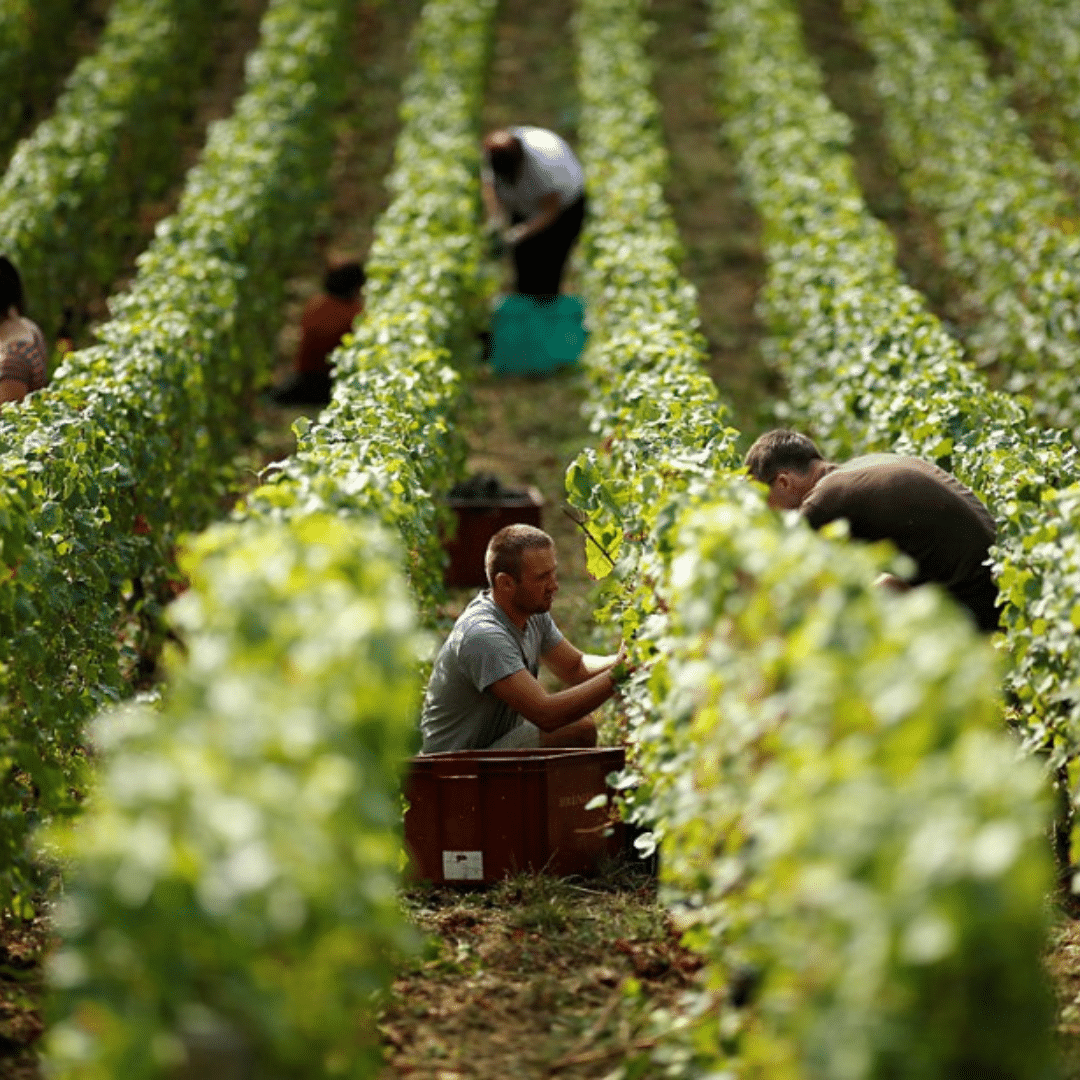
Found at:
(561, 977)
(546, 916)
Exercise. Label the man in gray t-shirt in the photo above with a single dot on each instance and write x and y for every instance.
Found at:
(483, 690)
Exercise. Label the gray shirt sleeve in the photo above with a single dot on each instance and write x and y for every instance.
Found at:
(550, 634)
(488, 655)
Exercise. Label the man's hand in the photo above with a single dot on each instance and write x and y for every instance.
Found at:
(547, 216)
(492, 207)
(621, 669)
(514, 235)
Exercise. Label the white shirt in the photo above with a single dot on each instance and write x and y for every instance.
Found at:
(549, 166)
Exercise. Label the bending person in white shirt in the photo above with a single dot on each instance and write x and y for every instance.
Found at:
(533, 188)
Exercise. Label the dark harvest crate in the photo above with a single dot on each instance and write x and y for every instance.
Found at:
(481, 815)
(478, 520)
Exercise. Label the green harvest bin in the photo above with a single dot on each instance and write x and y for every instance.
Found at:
(535, 337)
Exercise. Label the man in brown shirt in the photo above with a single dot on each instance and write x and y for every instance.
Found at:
(927, 513)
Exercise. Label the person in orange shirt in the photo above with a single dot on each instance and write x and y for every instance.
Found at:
(327, 318)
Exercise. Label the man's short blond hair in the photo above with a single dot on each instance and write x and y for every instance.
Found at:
(506, 547)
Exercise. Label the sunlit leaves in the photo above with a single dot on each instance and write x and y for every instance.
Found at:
(236, 868)
(842, 813)
(1043, 38)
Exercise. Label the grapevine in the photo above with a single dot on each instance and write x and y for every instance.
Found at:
(69, 197)
(142, 426)
(869, 368)
(757, 723)
(299, 605)
(232, 883)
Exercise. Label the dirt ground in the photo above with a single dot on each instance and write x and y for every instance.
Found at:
(527, 431)
(1064, 966)
(235, 35)
(848, 69)
(535, 977)
(22, 947)
(718, 226)
(1034, 104)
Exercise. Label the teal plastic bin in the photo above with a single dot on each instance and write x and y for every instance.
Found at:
(533, 337)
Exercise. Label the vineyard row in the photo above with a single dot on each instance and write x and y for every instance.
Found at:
(1043, 40)
(32, 47)
(1007, 232)
(868, 368)
(802, 743)
(263, 796)
(845, 827)
(70, 196)
(127, 448)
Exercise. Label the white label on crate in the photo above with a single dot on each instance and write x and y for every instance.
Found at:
(463, 865)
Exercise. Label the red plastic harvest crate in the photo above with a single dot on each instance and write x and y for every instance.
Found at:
(480, 815)
(478, 520)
